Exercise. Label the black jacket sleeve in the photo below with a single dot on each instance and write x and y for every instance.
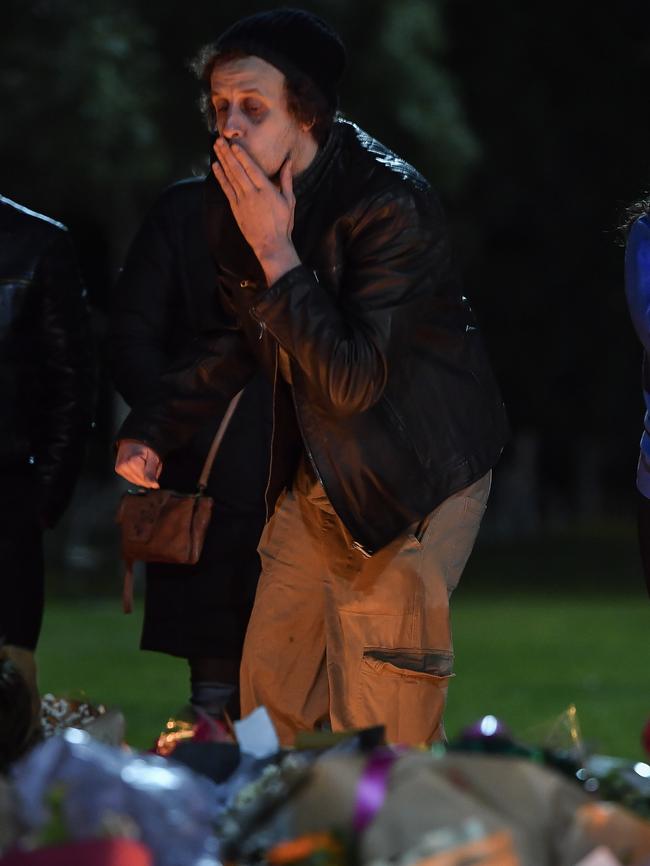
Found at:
(142, 310)
(67, 375)
(196, 388)
(397, 254)
(174, 380)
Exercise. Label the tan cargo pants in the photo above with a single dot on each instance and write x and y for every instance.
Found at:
(338, 637)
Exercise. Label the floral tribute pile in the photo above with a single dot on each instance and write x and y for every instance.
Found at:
(211, 792)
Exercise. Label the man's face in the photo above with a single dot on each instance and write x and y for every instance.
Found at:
(250, 105)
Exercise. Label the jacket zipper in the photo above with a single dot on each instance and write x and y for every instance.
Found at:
(302, 432)
(251, 284)
(268, 480)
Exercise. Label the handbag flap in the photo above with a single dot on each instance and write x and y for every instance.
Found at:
(163, 525)
(139, 513)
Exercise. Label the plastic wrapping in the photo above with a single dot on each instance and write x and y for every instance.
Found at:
(169, 808)
(520, 813)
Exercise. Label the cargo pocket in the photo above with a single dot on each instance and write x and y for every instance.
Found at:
(405, 690)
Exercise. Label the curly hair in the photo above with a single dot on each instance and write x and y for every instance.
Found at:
(305, 103)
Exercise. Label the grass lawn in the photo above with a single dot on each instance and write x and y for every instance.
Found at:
(537, 627)
(556, 620)
(92, 648)
(525, 659)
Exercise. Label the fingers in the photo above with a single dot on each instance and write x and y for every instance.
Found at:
(263, 209)
(132, 471)
(286, 182)
(152, 467)
(249, 166)
(235, 163)
(138, 464)
(286, 187)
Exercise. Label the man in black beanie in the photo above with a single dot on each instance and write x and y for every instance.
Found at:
(334, 265)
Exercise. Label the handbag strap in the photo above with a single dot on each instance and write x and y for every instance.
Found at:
(127, 588)
(216, 442)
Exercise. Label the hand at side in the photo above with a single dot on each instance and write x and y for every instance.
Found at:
(138, 463)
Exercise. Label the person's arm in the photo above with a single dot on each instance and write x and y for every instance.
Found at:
(397, 255)
(197, 388)
(142, 306)
(67, 375)
(637, 279)
(170, 401)
(396, 262)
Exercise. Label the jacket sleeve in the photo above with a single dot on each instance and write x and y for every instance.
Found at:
(141, 309)
(396, 253)
(194, 390)
(170, 400)
(637, 279)
(67, 375)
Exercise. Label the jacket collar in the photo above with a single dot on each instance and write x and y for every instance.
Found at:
(309, 179)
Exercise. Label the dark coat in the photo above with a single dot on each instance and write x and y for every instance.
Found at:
(46, 384)
(164, 298)
(46, 369)
(394, 397)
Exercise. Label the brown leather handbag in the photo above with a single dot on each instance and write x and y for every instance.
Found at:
(166, 526)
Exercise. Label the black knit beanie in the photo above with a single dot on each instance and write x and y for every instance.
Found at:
(290, 40)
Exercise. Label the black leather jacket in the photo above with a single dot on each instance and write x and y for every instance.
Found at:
(391, 390)
(45, 356)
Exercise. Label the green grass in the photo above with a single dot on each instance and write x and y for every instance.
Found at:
(92, 648)
(537, 626)
(526, 659)
(556, 620)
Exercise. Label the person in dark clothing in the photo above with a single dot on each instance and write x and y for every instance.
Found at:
(335, 271)
(46, 392)
(164, 298)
